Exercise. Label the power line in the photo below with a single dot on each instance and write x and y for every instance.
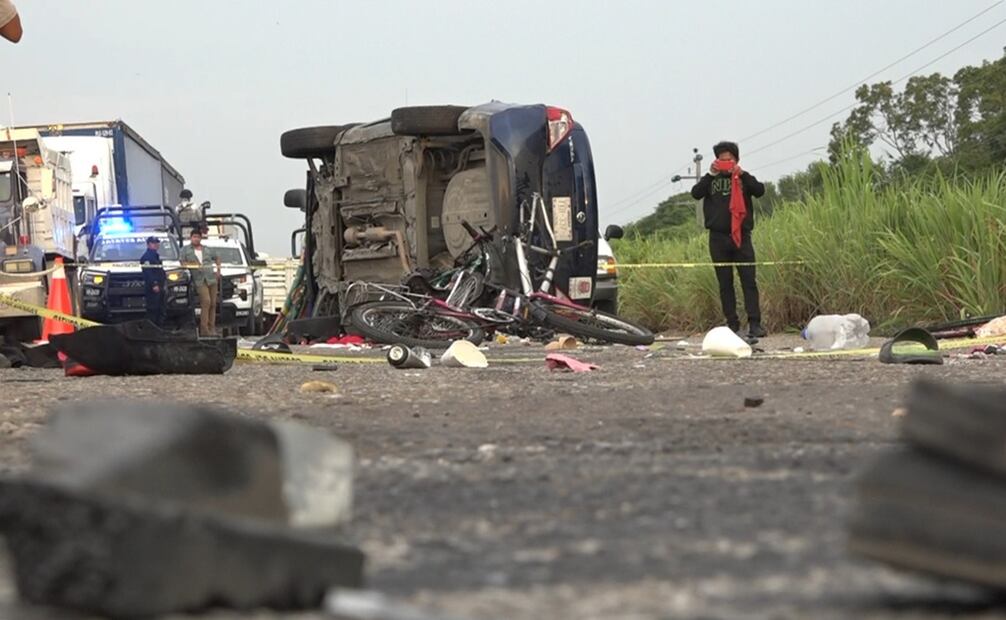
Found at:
(874, 74)
(900, 79)
(635, 198)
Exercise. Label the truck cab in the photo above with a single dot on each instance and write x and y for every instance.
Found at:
(36, 224)
(112, 285)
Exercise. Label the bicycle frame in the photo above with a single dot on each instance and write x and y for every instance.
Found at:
(544, 291)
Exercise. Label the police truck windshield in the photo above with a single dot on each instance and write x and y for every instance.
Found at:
(128, 249)
(229, 256)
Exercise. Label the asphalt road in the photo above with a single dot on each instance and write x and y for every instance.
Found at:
(645, 489)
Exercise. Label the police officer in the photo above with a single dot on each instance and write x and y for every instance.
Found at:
(154, 281)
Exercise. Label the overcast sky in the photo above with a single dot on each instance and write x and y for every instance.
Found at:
(213, 83)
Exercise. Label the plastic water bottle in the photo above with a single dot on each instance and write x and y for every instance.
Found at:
(837, 331)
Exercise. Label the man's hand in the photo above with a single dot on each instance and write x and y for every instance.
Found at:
(713, 170)
(738, 170)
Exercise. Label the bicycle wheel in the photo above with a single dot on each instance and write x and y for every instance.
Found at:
(590, 324)
(399, 322)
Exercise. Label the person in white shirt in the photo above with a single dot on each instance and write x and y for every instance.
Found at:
(10, 22)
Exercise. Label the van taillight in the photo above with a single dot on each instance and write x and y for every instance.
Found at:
(560, 124)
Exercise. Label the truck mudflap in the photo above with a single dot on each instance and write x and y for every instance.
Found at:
(142, 348)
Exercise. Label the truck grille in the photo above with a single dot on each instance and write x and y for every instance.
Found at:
(126, 291)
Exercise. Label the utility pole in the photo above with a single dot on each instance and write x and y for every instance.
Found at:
(697, 160)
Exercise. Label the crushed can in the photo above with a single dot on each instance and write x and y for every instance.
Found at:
(401, 356)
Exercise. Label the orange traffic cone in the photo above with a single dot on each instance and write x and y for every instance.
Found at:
(59, 300)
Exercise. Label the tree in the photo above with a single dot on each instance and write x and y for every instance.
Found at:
(981, 114)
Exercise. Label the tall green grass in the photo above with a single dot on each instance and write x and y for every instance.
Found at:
(908, 253)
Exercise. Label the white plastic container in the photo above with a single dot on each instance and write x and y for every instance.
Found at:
(723, 342)
(831, 332)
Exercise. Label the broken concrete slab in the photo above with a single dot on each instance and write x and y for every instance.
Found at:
(130, 556)
(146, 509)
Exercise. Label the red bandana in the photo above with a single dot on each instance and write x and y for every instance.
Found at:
(738, 209)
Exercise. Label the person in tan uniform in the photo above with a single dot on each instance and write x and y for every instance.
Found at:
(10, 22)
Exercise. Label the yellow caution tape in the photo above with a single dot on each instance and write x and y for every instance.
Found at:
(272, 357)
(945, 345)
(692, 265)
(45, 313)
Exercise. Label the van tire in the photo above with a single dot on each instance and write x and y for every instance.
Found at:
(310, 142)
(427, 120)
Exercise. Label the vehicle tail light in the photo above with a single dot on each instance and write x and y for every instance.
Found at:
(560, 124)
(606, 266)
(24, 240)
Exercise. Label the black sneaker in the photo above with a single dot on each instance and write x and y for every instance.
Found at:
(755, 330)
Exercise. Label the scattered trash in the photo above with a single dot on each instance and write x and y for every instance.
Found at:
(837, 331)
(926, 349)
(348, 339)
(798, 349)
(274, 343)
(990, 349)
(899, 412)
(319, 387)
(401, 356)
(723, 342)
(564, 342)
(558, 361)
(995, 327)
(464, 354)
(753, 402)
(501, 338)
(324, 367)
(656, 346)
(684, 344)
(123, 496)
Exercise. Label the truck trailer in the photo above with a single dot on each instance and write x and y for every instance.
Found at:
(112, 165)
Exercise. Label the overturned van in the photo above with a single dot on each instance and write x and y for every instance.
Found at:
(389, 197)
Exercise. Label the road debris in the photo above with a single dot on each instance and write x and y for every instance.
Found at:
(752, 402)
(319, 387)
(558, 361)
(401, 356)
(723, 342)
(935, 505)
(995, 327)
(564, 342)
(464, 354)
(177, 494)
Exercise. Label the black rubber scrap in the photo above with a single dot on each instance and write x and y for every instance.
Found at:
(751, 402)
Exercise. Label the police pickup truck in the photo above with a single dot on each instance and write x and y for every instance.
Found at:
(112, 283)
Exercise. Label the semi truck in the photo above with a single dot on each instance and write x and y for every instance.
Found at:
(112, 166)
(36, 224)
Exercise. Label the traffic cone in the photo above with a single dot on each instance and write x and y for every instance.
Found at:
(59, 300)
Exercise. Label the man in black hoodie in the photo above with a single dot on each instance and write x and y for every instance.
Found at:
(730, 232)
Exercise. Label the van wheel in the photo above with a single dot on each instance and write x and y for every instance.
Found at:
(427, 120)
(308, 142)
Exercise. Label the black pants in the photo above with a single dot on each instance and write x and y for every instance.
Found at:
(723, 250)
(155, 308)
